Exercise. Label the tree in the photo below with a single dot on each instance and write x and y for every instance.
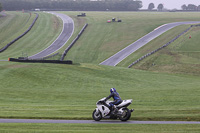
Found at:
(160, 7)
(192, 7)
(134, 6)
(151, 6)
(198, 8)
(73, 5)
(184, 7)
(1, 7)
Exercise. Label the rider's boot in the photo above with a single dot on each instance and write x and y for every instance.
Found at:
(115, 109)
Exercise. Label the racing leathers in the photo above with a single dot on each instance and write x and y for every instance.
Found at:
(116, 97)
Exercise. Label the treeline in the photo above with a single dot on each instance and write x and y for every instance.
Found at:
(72, 5)
(152, 6)
(1, 7)
(190, 7)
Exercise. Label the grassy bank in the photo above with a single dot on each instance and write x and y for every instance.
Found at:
(71, 91)
(43, 33)
(98, 128)
(13, 25)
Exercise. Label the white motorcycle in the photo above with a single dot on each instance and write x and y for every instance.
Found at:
(121, 111)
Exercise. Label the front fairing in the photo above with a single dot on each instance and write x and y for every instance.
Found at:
(101, 100)
(102, 108)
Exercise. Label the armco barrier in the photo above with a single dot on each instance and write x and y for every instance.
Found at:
(4, 48)
(138, 60)
(40, 61)
(73, 42)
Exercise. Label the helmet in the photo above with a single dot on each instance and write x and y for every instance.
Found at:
(112, 90)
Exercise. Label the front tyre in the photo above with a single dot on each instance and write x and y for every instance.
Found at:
(96, 115)
(125, 115)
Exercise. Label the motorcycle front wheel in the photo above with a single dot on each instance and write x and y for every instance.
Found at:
(125, 115)
(96, 115)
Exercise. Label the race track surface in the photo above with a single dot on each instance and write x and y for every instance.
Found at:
(68, 29)
(94, 122)
(121, 55)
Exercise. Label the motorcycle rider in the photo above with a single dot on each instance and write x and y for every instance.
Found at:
(116, 97)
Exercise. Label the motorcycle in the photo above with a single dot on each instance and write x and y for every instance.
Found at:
(121, 111)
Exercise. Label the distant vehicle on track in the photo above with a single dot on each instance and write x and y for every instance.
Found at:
(82, 15)
(37, 9)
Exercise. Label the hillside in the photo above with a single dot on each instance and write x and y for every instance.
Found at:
(71, 91)
(105, 39)
(12, 25)
(54, 91)
(39, 38)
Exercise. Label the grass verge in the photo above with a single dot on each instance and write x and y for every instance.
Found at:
(98, 128)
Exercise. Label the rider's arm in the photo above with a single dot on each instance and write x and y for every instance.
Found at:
(109, 97)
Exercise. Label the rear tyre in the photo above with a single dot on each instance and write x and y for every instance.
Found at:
(96, 115)
(125, 115)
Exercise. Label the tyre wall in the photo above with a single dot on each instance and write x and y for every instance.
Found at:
(40, 61)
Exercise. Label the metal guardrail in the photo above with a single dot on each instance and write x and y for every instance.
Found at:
(13, 41)
(148, 54)
(73, 42)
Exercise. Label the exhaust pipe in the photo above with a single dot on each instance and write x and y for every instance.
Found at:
(132, 110)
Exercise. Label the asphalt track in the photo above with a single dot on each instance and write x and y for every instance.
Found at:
(68, 29)
(121, 55)
(94, 122)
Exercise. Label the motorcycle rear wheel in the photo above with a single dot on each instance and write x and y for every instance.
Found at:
(96, 115)
(125, 115)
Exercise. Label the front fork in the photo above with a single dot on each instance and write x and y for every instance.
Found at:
(97, 111)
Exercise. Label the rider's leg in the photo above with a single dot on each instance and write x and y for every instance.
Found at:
(117, 102)
(111, 106)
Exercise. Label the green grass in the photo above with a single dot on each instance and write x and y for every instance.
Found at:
(105, 39)
(71, 91)
(13, 25)
(43, 33)
(98, 128)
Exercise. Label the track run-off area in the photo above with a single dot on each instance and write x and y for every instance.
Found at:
(94, 122)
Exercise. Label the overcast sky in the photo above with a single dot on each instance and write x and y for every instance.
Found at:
(169, 4)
